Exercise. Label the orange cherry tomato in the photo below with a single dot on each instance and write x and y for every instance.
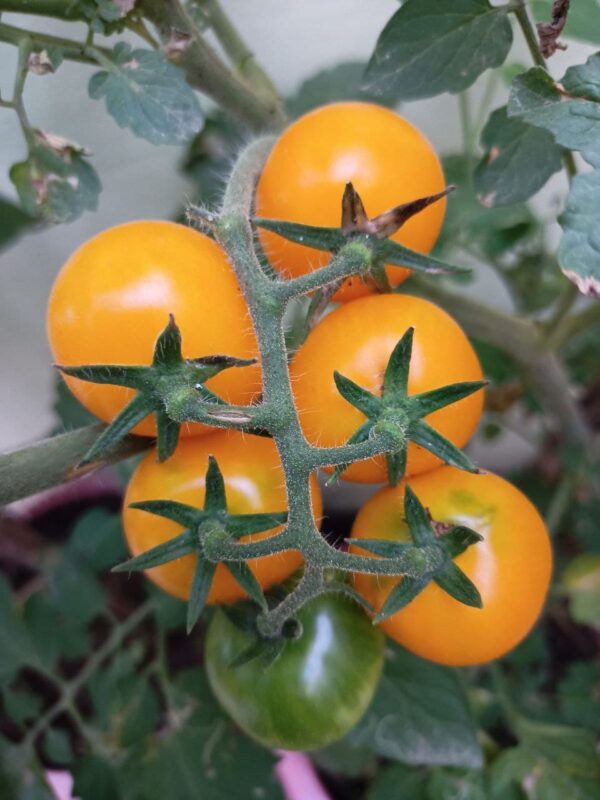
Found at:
(357, 339)
(387, 159)
(254, 484)
(511, 567)
(113, 297)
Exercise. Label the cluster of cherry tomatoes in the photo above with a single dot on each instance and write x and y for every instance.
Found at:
(112, 299)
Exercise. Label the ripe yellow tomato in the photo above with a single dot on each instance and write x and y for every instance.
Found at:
(357, 339)
(387, 159)
(254, 484)
(113, 298)
(511, 567)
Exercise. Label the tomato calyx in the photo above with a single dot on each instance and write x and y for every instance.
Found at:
(401, 416)
(356, 227)
(161, 388)
(205, 528)
(447, 575)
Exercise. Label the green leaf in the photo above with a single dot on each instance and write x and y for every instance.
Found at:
(72, 578)
(94, 779)
(420, 715)
(342, 82)
(458, 785)
(21, 705)
(398, 782)
(21, 776)
(572, 750)
(579, 251)
(571, 114)
(13, 222)
(519, 159)
(16, 646)
(434, 46)
(205, 757)
(97, 538)
(56, 183)
(579, 695)
(581, 584)
(67, 408)
(57, 746)
(583, 20)
(147, 94)
(55, 635)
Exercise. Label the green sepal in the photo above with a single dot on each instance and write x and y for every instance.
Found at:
(402, 414)
(458, 539)
(133, 413)
(401, 595)
(162, 388)
(239, 525)
(393, 253)
(424, 435)
(418, 520)
(395, 378)
(214, 493)
(246, 579)
(365, 401)
(330, 239)
(428, 402)
(387, 548)
(170, 550)
(455, 583)
(201, 583)
(184, 515)
(267, 650)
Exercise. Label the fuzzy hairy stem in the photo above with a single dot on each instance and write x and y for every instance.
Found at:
(205, 70)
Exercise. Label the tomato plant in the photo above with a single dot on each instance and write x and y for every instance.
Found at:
(327, 303)
(511, 567)
(356, 340)
(254, 484)
(317, 688)
(388, 160)
(113, 298)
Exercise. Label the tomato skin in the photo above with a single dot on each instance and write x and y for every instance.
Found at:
(318, 688)
(254, 483)
(511, 568)
(357, 339)
(113, 297)
(387, 159)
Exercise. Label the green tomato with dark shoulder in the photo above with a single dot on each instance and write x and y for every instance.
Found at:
(315, 691)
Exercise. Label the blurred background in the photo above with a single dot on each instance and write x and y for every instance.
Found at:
(140, 180)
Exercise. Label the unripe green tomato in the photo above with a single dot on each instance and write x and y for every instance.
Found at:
(315, 691)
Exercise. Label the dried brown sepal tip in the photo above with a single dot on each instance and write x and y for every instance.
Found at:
(356, 220)
(548, 32)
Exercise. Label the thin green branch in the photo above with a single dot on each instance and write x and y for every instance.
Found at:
(51, 462)
(71, 688)
(71, 49)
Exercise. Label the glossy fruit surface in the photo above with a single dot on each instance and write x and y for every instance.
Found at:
(254, 484)
(356, 340)
(386, 158)
(113, 298)
(511, 567)
(315, 691)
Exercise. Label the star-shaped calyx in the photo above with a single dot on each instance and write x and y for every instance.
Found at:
(201, 524)
(453, 541)
(374, 232)
(401, 415)
(169, 380)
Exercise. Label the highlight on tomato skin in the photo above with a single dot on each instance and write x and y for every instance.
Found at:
(356, 340)
(114, 295)
(511, 567)
(387, 159)
(254, 483)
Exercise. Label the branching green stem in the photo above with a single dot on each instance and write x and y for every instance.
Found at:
(71, 49)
